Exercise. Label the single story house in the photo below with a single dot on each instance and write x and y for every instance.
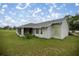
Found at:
(50, 29)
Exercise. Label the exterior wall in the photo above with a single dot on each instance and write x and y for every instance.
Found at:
(56, 31)
(64, 29)
(49, 32)
(17, 32)
(22, 32)
(60, 31)
(45, 32)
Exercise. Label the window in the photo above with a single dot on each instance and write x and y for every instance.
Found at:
(37, 31)
(41, 31)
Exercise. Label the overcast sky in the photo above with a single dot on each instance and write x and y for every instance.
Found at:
(14, 14)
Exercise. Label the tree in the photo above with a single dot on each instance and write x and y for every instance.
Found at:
(7, 27)
(73, 22)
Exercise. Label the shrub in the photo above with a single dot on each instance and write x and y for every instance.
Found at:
(28, 36)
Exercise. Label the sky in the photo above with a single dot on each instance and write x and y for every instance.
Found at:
(16, 14)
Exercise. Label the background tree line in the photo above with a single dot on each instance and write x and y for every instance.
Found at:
(73, 22)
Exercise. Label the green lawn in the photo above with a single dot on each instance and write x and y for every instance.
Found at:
(11, 44)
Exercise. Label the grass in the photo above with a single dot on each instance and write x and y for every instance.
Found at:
(12, 45)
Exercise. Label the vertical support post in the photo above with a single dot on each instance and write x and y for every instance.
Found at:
(22, 31)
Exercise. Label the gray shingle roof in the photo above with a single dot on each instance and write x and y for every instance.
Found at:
(43, 24)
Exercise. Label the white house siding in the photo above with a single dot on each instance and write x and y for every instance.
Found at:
(64, 29)
(17, 32)
(56, 31)
(34, 31)
(45, 33)
(22, 32)
(49, 32)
